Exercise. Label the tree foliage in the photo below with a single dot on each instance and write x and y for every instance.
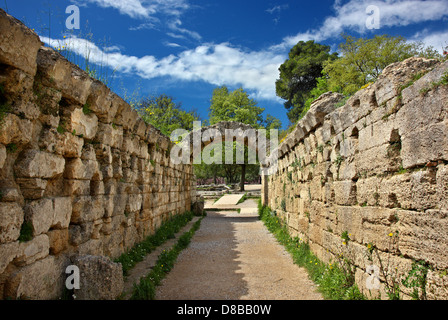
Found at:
(299, 74)
(363, 60)
(234, 106)
(164, 114)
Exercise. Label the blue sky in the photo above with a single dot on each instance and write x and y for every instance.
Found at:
(186, 48)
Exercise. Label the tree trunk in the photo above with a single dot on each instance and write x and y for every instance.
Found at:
(243, 176)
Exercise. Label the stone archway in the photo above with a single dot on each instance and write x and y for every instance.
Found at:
(203, 139)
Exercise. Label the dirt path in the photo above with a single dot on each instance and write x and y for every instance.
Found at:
(233, 256)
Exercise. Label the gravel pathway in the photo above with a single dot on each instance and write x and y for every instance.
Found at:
(233, 256)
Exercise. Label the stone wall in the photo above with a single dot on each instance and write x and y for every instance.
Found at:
(373, 173)
(80, 172)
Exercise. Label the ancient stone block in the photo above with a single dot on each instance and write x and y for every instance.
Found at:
(58, 240)
(8, 252)
(109, 134)
(2, 155)
(87, 209)
(58, 73)
(11, 219)
(40, 280)
(83, 124)
(414, 191)
(15, 130)
(48, 213)
(436, 285)
(29, 252)
(101, 280)
(38, 164)
(81, 169)
(66, 144)
(345, 192)
(12, 51)
(422, 146)
(423, 236)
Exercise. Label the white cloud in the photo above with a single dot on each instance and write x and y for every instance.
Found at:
(438, 40)
(256, 71)
(175, 26)
(217, 64)
(352, 16)
(277, 8)
(152, 11)
(142, 8)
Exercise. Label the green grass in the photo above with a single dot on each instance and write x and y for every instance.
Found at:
(146, 289)
(26, 232)
(136, 254)
(333, 282)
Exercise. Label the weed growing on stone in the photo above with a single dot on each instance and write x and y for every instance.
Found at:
(26, 232)
(416, 279)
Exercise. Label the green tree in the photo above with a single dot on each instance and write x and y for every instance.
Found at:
(299, 74)
(237, 106)
(363, 60)
(234, 106)
(164, 114)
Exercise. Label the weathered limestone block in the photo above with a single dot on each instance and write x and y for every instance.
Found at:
(92, 247)
(413, 191)
(2, 155)
(83, 124)
(31, 251)
(8, 252)
(125, 116)
(423, 236)
(81, 169)
(349, 219)
(442, 187)
(111, 135)
(79, 234)
(17, 88)
(11, 219)
(48, 213)
(58, 240)
(15, 130)
(87, 209)
(101, 279)
(423, 146)
(113, 245)
(319, 109)
(40, 280)
(58, 73)
(396, 75)
(377, 225)
(377, 134)
(77, 187)
(345, 192)
(367, 191)
(100, 101)
(38, 164)
(414, 92)
(12, 37)
(374, 161)
(134, 203)
(66, 144)
(436, 285)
